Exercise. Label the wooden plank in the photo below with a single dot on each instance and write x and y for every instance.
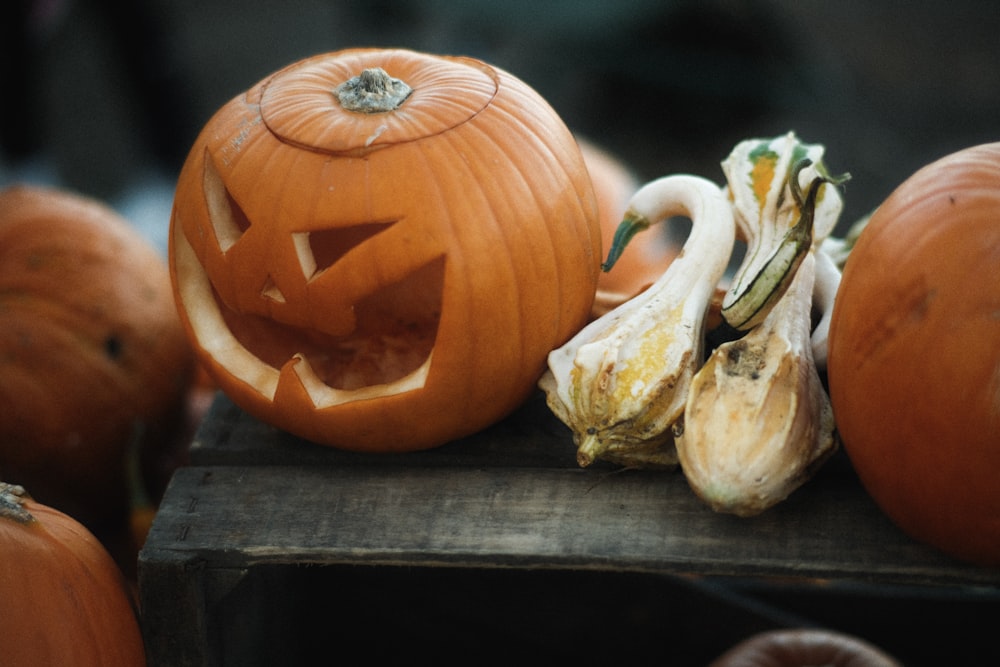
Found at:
(172, 599)
(288, 615)
(535, 518)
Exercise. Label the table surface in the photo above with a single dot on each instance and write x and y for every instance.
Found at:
(512, 496)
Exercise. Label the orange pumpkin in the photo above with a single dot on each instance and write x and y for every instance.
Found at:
(93, 359)
(648, 254)
(914, 355)
(64, 601)
(390, 278)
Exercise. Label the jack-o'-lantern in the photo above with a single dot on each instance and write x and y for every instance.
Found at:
(376, 249)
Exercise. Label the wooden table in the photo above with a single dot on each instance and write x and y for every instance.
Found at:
(261, 522)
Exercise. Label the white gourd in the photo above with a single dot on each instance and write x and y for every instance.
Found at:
(622, 381)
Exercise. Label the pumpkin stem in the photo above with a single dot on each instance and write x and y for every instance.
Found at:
(372, 91)
(11, 497)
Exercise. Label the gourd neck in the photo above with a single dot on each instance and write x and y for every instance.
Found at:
(372, 91)
(701, 264)
(12, 503)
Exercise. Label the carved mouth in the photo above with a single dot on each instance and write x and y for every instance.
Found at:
(388, 352)
(379, 344)
(389, 342)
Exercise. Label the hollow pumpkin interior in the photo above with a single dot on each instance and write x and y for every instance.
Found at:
(395, 331)
(394, 328)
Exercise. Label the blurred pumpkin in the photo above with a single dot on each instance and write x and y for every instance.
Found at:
(93, 359)
(800, 647)
(648, 254)
(64, 600)
(914, 355)
(158, 460)
(376, 249)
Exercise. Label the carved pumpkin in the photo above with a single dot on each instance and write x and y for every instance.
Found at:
(387, 278)
(64, 602)
(93, 358)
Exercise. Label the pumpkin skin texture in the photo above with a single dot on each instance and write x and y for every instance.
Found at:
(93, 358)
(383, 281)
(648, 254)
(64, 601)
(914, 356)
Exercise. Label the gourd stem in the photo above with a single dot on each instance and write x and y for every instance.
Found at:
(372, 91)
(589, 450)
(11, 497)
(770, 283)
(627, 228)
(793, 182)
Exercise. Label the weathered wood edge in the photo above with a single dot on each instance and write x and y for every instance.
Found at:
(530, 518)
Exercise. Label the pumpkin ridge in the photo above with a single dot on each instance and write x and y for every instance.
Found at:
(71, 577)
(919, 421)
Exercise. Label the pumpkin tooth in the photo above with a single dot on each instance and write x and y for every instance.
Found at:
(758, 421)
(621, 382)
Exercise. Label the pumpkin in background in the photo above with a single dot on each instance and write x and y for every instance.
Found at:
(376, 249)
(795, 647)
(93, 359)
(64, 601)
(159, 460)
(648, 254)
(914, 355)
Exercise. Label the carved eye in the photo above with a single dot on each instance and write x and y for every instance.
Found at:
(228, 219)
(319, 249)
(316, 250)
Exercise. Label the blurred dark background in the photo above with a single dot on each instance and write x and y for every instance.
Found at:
(106, 96)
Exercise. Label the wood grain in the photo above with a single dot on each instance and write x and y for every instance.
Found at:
(262, 519)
